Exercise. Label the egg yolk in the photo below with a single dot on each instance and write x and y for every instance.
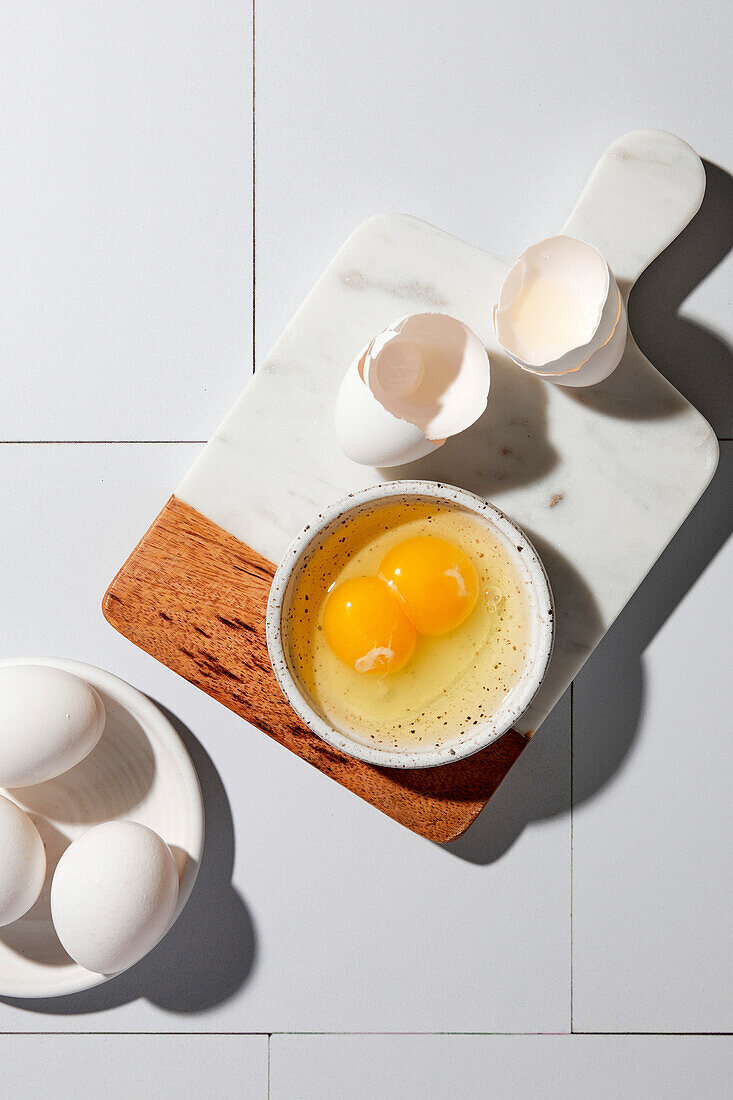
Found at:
(366, 626)
(436, 580)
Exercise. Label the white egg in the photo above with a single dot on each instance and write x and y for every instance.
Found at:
(561, 314)
(423, 379)
(22, 862)
(49, 721)
(113, 895)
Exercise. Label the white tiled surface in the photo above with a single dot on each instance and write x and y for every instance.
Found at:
(126, 217)
(503, 1067)
(168, 1067)
(125, 288)
(652, 935)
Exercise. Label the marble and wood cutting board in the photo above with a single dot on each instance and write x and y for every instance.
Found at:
(600, 478)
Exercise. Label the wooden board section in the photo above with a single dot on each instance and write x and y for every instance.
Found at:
(195, 597)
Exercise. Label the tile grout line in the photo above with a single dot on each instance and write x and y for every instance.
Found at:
(479, 1034)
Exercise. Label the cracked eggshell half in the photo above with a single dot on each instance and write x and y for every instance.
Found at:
(421, 380)
(560, 313)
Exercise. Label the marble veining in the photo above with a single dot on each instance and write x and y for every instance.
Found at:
(600, 479)
(415, 291)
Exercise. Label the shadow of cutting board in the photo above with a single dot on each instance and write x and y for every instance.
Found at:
(599, 478)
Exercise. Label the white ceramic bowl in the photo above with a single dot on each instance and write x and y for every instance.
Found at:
(139, 771)
(523, 555)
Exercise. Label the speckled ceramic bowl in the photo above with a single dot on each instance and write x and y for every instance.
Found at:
(530, 569)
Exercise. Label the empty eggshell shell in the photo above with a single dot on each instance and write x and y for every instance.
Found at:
(114, 895)
(22, 862)
(368, 434)
(421, 380)
(560, 313)
(49, 721)
(602, 362)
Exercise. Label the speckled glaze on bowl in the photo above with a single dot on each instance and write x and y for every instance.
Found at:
(524, 557)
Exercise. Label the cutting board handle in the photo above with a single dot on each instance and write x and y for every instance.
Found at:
(642, 193)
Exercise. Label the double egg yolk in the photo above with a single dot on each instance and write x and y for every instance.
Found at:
(425, 585)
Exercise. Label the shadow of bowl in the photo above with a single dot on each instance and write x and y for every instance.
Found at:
(588, 738)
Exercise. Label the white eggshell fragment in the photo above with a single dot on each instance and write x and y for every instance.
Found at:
(602, 362)
(22, 862)
(49, 721)
(421, 380)
(560, 313)
(367, 433)
(113, 895)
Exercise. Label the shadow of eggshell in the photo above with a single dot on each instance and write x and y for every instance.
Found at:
(507, 447)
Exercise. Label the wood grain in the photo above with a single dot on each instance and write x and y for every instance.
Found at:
(195, 598)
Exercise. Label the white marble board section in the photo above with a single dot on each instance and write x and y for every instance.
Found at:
(600, 479)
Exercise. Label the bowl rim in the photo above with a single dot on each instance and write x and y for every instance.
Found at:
(504, 717)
